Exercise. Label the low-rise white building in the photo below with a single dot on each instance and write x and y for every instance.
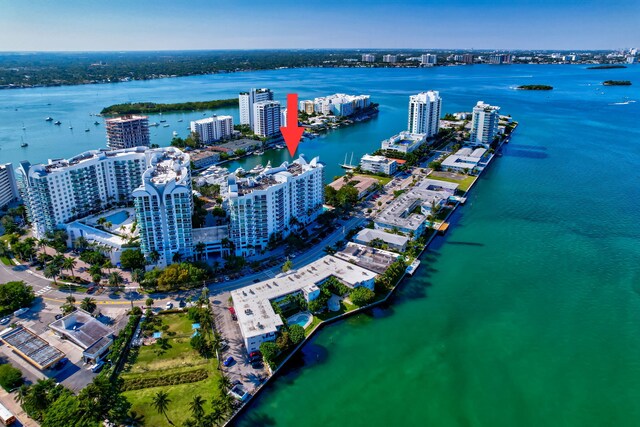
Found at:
(260, 323)
(378, 164)
(203, 159)
(404, 142)
(464, 160)
(394, 241)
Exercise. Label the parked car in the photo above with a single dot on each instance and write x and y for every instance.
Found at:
(228, 361)
(223, 345)
(97, 367)
(4, 320)
(233, 313)
(58, 316)
(20, 312)
(169, 305)
(256, 355)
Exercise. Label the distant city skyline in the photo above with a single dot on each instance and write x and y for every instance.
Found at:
(75, 25)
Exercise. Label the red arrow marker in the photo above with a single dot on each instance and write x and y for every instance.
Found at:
(292, 132)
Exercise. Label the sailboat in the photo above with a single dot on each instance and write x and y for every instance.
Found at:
(23, 144)
(48, 119)
(70, 126)
(349, 165)
(23, 126)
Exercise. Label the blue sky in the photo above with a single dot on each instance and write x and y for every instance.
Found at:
(243, 24)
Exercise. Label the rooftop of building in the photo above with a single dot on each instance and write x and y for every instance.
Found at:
(377, 159)
(197, 155)
(360, 182)
(81, 328)
(212, 119)
(405, 138)
(126, 119)
(253, 303)
(169, 165)
(270, 176)
(368, 234)
(429, 96)
(35, 349)
(54, 165)
(376, 260)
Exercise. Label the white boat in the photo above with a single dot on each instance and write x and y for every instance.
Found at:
(166, 125)
(48, 119)
(58, 123)
(280, 146)
(413, 267)
(257, 169)
(175, 133)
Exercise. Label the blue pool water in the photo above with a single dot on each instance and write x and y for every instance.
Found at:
(299, 319)
(117, 217)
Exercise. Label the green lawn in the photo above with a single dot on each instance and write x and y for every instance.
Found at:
(384, 180)
(465, 181)
(5, 260)
(178, 358)
(180, 396)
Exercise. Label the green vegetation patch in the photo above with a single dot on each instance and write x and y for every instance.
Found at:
(140, 382)
(153, 108)
(464, 181)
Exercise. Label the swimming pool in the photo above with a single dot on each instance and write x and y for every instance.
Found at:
(117, 218)
(302, 319)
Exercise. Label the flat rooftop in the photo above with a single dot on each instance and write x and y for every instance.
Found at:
(368, 234)
(81, 328)
(253, 303)
(373, 259)
(362, 183)
(270, 176)
(31, 347)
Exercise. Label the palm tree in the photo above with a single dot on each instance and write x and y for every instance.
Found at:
(154, 256)
(58, 260)
(161, 402)
(81, 243)
(42, 244)
(133, 419)
(197, 407)
(42, 258)
(21, 394)
(71, 299)
(115, 279)
(177, 257)
(108, 265)
(224, 383)
(137, 275)
(199, 248)
(51, 271)
(217, 415)
(69, 264)
(88, 304)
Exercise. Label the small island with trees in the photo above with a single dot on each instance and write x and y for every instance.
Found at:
(535, 87)
(606, 67)
(153, 108)
(616, 83)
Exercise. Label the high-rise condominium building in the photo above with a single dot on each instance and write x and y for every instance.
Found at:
(64, 190)
(164, 204)
(274, 203)
(391, 59)
(429, 59)
(424, 113)
(266, 118)
(213, 128)
(484, 124)
(127, 132)
(367, 57)
(8, 188)
(500, 58)
(248, 99)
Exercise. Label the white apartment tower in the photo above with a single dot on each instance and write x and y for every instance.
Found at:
(248, 99)
(367, 57)
(484, 124)
(127, 132)
(391, 59)
(429, 59)
(213, 128)
(8, 188)
(266, 118)
(164, 205)
(274, 203)
(424, 113)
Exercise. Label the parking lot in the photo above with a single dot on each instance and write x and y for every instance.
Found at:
(241, 370)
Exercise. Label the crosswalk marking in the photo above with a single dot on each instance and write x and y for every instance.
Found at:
(43, 290)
